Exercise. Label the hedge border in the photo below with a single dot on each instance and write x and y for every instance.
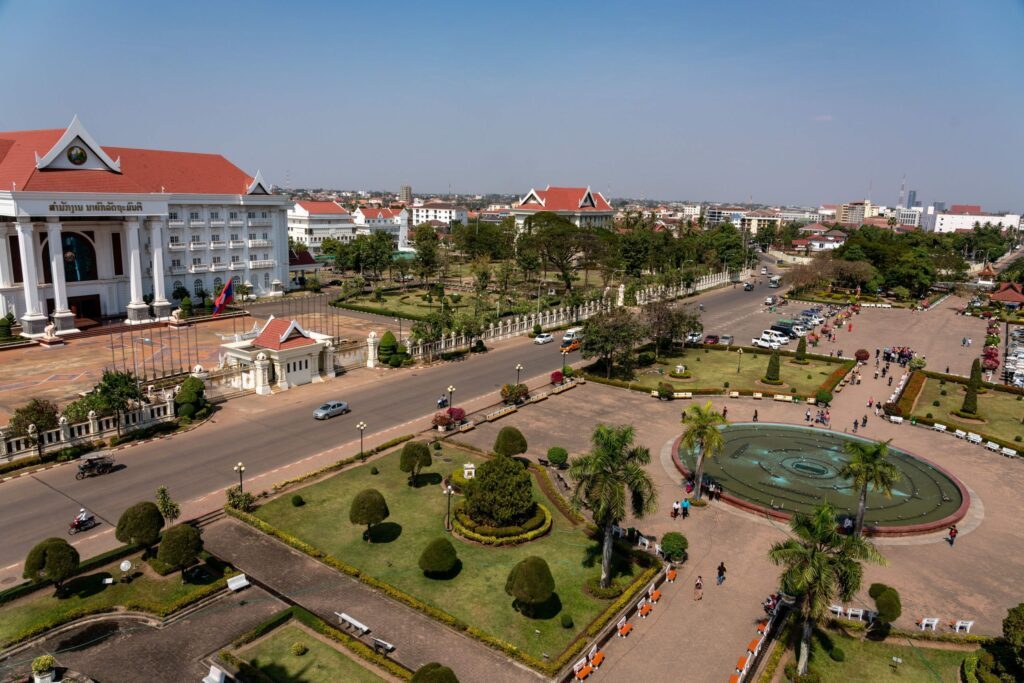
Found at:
(928, 421)
(499, 541)
(315, 623)
(779, 649)
(378, 310)
(344, 462)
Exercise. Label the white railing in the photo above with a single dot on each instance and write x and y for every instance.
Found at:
(236, 244)
(197, 246)
(176, 246)
(197, 222)
(219, 244)
(259, 243)
(262, 264)
(68, 434)
(259, 222)
(199, 268)
(236, 221)
(178, 270)
(216, 221)
(176, 223)
(218, 266)
(237, 265)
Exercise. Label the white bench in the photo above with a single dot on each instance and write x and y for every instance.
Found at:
(682, 394)
(1009, 452)
(964, 626)
(215, 676)
(237, 583)
(855, 613)
(928, 623)
(757, 394)
(734, 394)
(109, 581)
(960, 434)
(382, 646)
(992, 446)
(836, 610)
(974, 438)
(895, 419)
(939, 428)
(345, 619)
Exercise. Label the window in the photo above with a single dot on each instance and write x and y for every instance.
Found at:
(266, 280)
(234, 237)
(266, 235)
(236, 280)
(175, 239)
(263, 214)
(215, 238)
(172, 215)
(197, 261)
(193, 215)
(197, 287)
(175, 263)
(178, 284)
(235, 258)
(233, 215)
(214, 215)
(216, 259)
(195, 239)
(252, 214)
(266, 257)
(217, 284)
(252, 257)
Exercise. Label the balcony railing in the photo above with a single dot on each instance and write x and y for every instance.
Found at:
(218, 244)
(259, 243)
(236, 244)
(217, 222)
(218, 266)
(235, 221)
(237, 265)
(176, 223)
(197, 246)
(176, 246)
(199, 268)
(178, 270)
(262, 264)
(259, 222)
(197, 222)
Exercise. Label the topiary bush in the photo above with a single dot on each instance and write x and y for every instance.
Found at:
(298, 649)
(438, 558)
(298, 501)
(369, 508)
(140, 525)
(530, 584)
(558, 456)
(674, 545)
(862, 355)
(500, 494)
(823, 396)
(510, 441)
(888, 605)
(567, 621)
(771, 375)
(837, 654)
(434, 673)
(415, 456)
(43, 664)
(388, 347)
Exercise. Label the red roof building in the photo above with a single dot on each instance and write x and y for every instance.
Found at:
(1009, 294)
(581, 205)
(282, 355)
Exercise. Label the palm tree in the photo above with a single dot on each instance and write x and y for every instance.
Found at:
(868, 466)
(702, 436)
(820, 563)
(606, 477)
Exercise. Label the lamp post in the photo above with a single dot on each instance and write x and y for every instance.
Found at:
(361, 426)
(564, 354)
(399, 321)
(240, 468)
(739, 359)
(519, 369)
(448, 491)
(451, 390)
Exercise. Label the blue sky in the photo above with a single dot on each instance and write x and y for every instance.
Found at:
(787, 101)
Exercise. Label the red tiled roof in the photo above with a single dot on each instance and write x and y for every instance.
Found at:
(966, 209)
(321, 208)
(301, 258)
(373, 213)
(566, 199)
(814, 227)
(1009, 293)
(800, 242)
(276, 328)
(142, 170)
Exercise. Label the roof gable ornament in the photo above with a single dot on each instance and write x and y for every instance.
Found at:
(588, 200)
(258, 185)
(294, 328)
(77, 150)
(532, 198)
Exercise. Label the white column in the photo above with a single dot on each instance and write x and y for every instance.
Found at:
(138, 311)
(33, 322)
(161, 306)
(63, 318)
(6, 274)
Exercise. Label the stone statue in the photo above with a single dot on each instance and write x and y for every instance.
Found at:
(48, 332)
(176, 314)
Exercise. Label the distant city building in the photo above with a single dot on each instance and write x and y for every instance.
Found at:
(826, 241)
(442, 212)
(827, 212)
(713, 215)
(939, 206)
(310, 223)
(393, 221)
(581, 205)
(964, 217)
(405, 194)
(912, 199)
(688, 212)
(799, 216)
(86, 231)
(760, 219)
(495, 215)
(854, 213)
(908, 216)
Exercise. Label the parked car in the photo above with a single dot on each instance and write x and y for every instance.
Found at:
(711, 339)
(573, 333)
(726, 339)
(694, 338)
(764, 270)
(330, 409)
(544, 338)
(748, 286)
(571, 346)
(770, 301)
(765, 342)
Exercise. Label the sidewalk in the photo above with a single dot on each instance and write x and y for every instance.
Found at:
(418, 639)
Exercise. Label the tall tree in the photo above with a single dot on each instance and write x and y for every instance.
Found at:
(169, 509)
(820, 564)
(559, 242)
(611, 337)
(869, 466)
(668, 322)
(703, 437)
(604, 479)
(41, 413)
(119, 390)
(51, 560)
(426, 244)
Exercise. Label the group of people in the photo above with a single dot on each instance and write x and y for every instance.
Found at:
(896, 354)
(681, 507)
(822, 417)
(698, 585)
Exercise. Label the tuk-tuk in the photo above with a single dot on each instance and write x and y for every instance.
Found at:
(94, 464)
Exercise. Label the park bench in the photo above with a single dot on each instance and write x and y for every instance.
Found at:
(961, 625)
(382, 646)
(653, 594)
(741, 664)
(582, 669)
(855, 613)
(623, 627)
(757, 394)
(938, 427)
(928, 623)
(960, 434)
(215, 676)
(596, 657)
(992, 446)
(896, 419)
(346, 621)
(762, 627)
(754, 646)
(974, 438)
(836, 610)
(682, 394)
(671, 575)
(1009, 452)
(643, 608)
(237, 583)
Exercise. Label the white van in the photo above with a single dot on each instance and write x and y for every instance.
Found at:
(776, 335)
(572, 334)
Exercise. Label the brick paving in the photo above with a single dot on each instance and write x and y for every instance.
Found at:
(134, 652)
(418, 639)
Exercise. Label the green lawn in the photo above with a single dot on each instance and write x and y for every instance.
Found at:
(476, 595)
(1002, 411)
(867, 660)
(712, 368)
(87, 594)
(273, 656)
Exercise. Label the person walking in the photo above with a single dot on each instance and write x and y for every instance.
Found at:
(686, 507)
(755, 416)
(698, 589)
(725, 412)
(953, 533)
(675, 509)
(721, 573)
(807, 415)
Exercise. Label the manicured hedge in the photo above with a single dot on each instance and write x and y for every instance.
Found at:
(344, 462)
(956, 379)
(911, 390)
(379, 310)
(500, 536)
(556, 498)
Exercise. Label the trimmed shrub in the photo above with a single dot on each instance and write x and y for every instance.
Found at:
(5, 329)
(877, 589)
(438, 557)
(837, 654)
(43, 664)
(888, 606)
(53, 560)
(180, 546)
(530, 584)
(298, 649)
(772, 373)
(665, 391)
(537, 329)
(510, 441)
(558, 456)
(501, 494)
(823, 396)
(140, 525)
(567, 620)
(374, 471)
(514, 393)
(862, 355)
(369, 508)
(801, 349)
(645, 359)
(388, 347)
(415, 456)
(478, 346)
(434, 673)
(557, 377)
(674, 545)
(298, 501)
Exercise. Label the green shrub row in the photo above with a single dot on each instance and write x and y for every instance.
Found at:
(379, 310)
(911, 391)
(555, 496)
(956, 379)
(933, 636)
(95, 562)
(344, 462)
(969, 668)
(499, 536)
(928, 422)
(837, 375)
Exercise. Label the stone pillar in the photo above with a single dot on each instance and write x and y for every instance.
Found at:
(65, 430)
(371, 350)
(63, 318)
(621, 298)
(328, 360)
(262, 375)
(6, 269)
(94, 424)
(138, 310)
(33, 321)
(161, 306)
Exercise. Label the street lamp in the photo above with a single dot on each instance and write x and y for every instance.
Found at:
(240, 468)
(519, 369)
(448, 491)
(451, 390)
(399, 321)
(564, 354)
(739, 359)
(361, 426)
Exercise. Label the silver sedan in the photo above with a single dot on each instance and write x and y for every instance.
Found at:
(330, 409)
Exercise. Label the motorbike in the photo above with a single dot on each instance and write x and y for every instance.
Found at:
(94, 465)
(79, 525)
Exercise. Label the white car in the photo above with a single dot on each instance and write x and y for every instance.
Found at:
(765, 343)
(543, 338)
(694, 338)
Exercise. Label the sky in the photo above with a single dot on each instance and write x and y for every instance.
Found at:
(785, 102)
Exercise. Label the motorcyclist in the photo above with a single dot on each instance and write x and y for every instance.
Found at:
(82, 517)
(441, 402)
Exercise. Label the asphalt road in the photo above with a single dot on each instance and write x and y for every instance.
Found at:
(275, 433)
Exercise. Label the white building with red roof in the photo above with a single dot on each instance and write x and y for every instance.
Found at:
(581, 205)
(393, 221)
(310, 223)
(442, 212)
(280, 354)
(90, 232)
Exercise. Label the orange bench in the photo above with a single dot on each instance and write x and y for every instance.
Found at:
(624, 627)
(595, 657)
(671, 575)
(645, 610)
(655, 596)
(735, 678)
(762, 626)
(741, 664)
(753, 645)
(582, 669)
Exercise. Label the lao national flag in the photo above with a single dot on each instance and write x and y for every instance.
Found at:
(227, 295)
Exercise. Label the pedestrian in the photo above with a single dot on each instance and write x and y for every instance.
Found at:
(876, 373)
(855, 423)
(871, 402)
(675, 509)
(755, 416)
(686, 507)
(725, 412)
(864, 421)
(890, 380)
(953, 533)
(721, 573)
(947, 369)
(877, 351)
(807, 415)
(698, 589)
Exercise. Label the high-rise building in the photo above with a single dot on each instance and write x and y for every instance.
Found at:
(912, 199)
(405, 194)
(939, 206)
